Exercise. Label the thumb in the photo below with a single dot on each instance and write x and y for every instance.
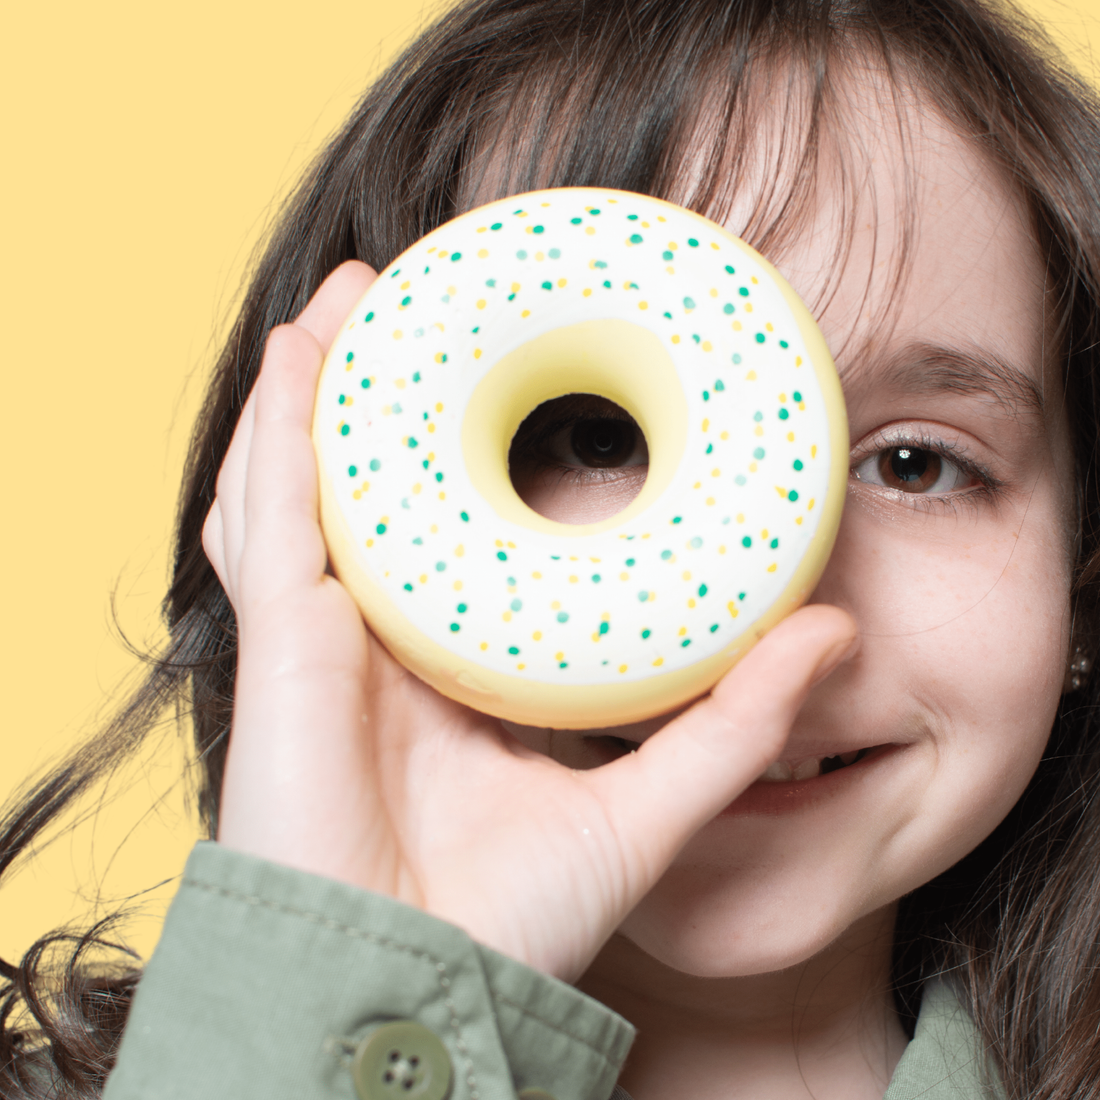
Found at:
(679, 779)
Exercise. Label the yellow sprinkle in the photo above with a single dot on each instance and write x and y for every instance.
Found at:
(590, 229)
(423, 578)
(596, 636)
(482, 253)
(687, 575)
(605, 617)
(622, 668)
(458, 586)
(515, 288)
(643, 305)
(764, 533)
(540, 256)
(771, 568)
(559, 656)
(507, 616)
(397, 334)
(758, 430)
(798, 360)
(716, 472)
(556, 605)
(697, 485)
(442, 496)
(349, 400)
(511, 546)
(755, 279)
(481, 229)
(676, 339)
(451, 289)
(790, 437)
(809, 506)
(751, 376)
(439, 406)
(481, 303)
(683, 631)
(707, 346)
(370, 542)
(782, 398)
(657, 663)
(434, 528)
(724, 435)
(356, 495)
(645, 225)
(626, 285)
(416, 488)
(813, 451)
(526, 313)
(484, 646)
(780, 491)
(740, 517)
(752, 467)
(691, 603)
(439, 357)
(460, 550)
(769, 328)
(624, 576)
(431, 428)
(714, 245)
(672, 246)
(748, 307)
(731, 607)
(661, 218)
(386, 412)
(537, 636)
(721, 549)
(736, 326)
(443, 253)
(706, 424)
(561, 282)
(573, 578)
(405, 285)
(521, 666)
(537, 576)
(798, 521)
(588, 292)
(714, 292)
(710, 501)
(477, 353)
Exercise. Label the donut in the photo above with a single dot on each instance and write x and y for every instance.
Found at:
(632, 299)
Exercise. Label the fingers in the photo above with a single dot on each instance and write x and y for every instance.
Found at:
(681, 778)
(279, 465)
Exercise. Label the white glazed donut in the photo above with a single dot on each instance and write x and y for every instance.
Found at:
(579, 290)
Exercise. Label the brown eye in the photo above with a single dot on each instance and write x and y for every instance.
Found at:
(603, 443)
(910, 469)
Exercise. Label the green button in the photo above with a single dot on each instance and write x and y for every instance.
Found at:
(535, 1094)
(401, 1058)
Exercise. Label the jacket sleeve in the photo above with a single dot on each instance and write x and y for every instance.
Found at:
(266, 979)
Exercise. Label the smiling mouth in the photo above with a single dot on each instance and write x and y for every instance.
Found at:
(810, 767)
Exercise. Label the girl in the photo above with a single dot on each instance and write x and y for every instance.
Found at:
(863, 864)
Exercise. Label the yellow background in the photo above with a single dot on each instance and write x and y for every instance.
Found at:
(148, 145)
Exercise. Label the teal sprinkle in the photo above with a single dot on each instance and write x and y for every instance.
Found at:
(511, 297)
(759, 337)
(669, 316)
(665, 555)
(418, 541)
(440, 566)
(719, 385)
(369, 317)
(677, 519)
(394, 274)
(643, 596)
(425, 416)
(604, 627)
(740, 595)
(746, 542)
(555, 557)
(491, 283)
(796, 395)
(601, 264)
(495, 226)
(594, 213)
(341, 399)
(646, 633)
(536, 229)
(739, 479)
(456, 256)
(607, 283)
(352, 471)
(413, 443)
(521, 255)
(632, 217)
(408, 587)
(375, 465)
(743, 291)
(408, 297)
(635, 238)
(380, 529)
(345, 429)
(784, 344)
(758, 452)
(666, 255)
(736, 358)
(685, 643)
(798, 464)
(730, 270)
(511, 582)
(516, 605)
(784, 414)
(595, 578)
(702, 590)
(693, 242)
(351, 356)
(439, 475)
(514, 650)
(365, 383)
(792, 495)
(461, 609)
(425, 464)
(426, 270)
(696, 337)
(689, 303)
(632, 286)
(501, 556)
(396, 407)
(455, 628)
(758, 416)
(548, 285)
(416, 374)
(563, 617)
(696, 543)
(563, 664)
(518, 212)
(554, 253)
(630, 563)
(575, 221)
(706, 395)
(710, 447)
(465, 517)
(727, 309)
(774, 544)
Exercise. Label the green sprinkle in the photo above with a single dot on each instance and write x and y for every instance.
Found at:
(547, 285)
(516, 605)
(369, 317)
(730, 270)
(456, 256)
(689, 303)
(677, 519)
(604, 627)
(461, 609)
(630, 562)
(727, 308)
(351, 356)
(635, 238)
(758, 452)
(702, 590)
(380, 529)
(796, 395)
(352, 471)
(736, 358)
(643, 596)
(439, 475)
(514, 650)
(646, 633)
(495, 226)
(440, 566)
(783, 414)
(408, 298)
(719, 385)
(798, 464)
(375, 465)
(563, 617)
(536, 229)
(792, 495)
(501, 556)
(693, 242)
(685, 643)
(454, 628)
(774, 544)
(706, 395)
(575, 221)
(413, 443)
(408, 587)
(521, 255)
(464, 516)
(746, 542)
(714, 628)
(554, 253)
(365, 383)
(696, 543)
(666, 255)
(665, 555)
(758, 416)
(345, 428)
(784, 344)
(595, 578)
(759, 337)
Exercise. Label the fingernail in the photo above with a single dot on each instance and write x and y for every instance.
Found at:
(836, 656)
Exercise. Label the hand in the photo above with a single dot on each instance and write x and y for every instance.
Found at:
(343, 764)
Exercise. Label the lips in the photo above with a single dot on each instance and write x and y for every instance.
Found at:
(810, 767)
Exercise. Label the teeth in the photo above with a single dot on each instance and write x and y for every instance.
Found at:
(783, 771)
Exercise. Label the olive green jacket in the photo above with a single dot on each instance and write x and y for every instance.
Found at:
(266, 980)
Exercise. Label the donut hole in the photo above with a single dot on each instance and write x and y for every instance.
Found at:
(579, 458)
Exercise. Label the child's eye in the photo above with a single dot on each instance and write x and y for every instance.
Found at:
(908, 468)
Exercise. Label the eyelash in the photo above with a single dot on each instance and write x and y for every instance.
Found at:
(987, 489)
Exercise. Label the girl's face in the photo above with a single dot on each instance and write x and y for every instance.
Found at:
(954, 557)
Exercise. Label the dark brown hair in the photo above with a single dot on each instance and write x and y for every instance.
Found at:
(507, 95)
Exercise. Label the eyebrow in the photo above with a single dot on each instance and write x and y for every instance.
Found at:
(927, 368)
